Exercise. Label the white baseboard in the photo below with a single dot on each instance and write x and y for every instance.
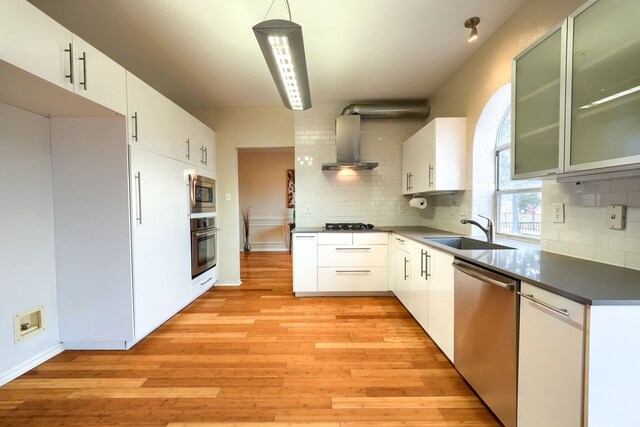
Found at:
(27, 365)
(95, 345)
(233, 283)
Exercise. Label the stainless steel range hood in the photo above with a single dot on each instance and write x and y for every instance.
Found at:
(348, 130)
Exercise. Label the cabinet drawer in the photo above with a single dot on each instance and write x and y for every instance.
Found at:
(366, 238)
(335, 238)
(362, 278)
(574, 309)
(349, 255)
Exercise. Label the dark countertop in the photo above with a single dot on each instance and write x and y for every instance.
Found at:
(584, 281)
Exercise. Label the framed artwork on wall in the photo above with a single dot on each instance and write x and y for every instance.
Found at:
(291, 188)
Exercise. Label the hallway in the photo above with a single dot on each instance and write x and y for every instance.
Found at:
(242, 356)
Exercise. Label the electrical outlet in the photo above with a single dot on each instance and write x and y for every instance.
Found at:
(401, 208)
(307, 209)
(558, 212)
(227, 197)
(463, 210)
(452, 210)
(616, 215)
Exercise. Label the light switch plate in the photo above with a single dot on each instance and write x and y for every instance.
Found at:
(558, 212)
(227, 197)
(401, 208)
(616, 216)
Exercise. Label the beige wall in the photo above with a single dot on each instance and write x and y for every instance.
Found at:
(262, 174)
(240, 127)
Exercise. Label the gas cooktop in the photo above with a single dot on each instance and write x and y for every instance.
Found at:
(357, 226)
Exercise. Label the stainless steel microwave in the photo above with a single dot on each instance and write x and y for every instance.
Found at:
(203, 194)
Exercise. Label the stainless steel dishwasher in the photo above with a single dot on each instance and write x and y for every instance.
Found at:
(485, 336)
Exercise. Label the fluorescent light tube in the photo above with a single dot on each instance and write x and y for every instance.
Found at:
(611, 98)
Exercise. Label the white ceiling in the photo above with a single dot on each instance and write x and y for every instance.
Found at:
(203, 52)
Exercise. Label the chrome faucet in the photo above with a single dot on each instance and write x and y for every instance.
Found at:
(488, 230)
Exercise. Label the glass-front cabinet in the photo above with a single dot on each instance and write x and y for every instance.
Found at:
(576, 94)
(604, 107)
(538, 106)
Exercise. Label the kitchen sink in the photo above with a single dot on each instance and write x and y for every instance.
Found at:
(465, 243)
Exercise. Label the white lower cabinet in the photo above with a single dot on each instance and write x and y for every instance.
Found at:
(440, 299)
(353, 279)
(305, 262)
(181, 233)
(550, 361)
(401, 269)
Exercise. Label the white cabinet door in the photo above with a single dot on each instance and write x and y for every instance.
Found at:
(153, 292)
(196, 157)
(305, 262)
(418, 284)
(209, 145)
(551, 363)
(411, 165)
(353, 255)
(402, 271)
(34, 42)
(440, 300)
(181, 147)
(181, 231)
(443, 154)
(98, 77)
(149, 117)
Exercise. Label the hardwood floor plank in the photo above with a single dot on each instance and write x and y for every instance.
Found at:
(255, 355)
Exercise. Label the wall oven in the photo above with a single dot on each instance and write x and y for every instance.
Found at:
(203, 194)
(204, 236)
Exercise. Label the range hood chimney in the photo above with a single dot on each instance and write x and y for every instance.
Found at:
(348, 130)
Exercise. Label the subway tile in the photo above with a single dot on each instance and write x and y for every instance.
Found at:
(626, 184)
(609, 256)
(580, 251)
(633, 198)
(632, 261)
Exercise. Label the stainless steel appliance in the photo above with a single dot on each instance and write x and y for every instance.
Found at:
(485, 307)
(203, 194)
(204, 234)
(348, 226)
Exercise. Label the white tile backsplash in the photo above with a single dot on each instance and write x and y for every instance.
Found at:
(359, 196)
(585, 233)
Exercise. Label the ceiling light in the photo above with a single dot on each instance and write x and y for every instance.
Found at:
(472, 23)
(283, 49)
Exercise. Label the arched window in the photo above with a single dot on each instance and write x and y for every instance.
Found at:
(518, 202)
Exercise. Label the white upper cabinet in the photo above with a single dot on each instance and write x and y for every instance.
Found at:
(538, 106)
(149, 117)
(98, 78)
(34, 42)
(181, 146)
(443, 154)
(434, 158)
(411, 165)
(209, 144)
(604, 82)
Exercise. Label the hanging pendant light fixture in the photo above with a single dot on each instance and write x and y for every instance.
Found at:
(283, 49)
(472, 23)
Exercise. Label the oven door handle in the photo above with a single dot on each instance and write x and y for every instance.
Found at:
(207, 233)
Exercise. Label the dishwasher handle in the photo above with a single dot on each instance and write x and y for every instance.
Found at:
(467, 269)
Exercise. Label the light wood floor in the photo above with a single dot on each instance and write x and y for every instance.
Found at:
(255, 355)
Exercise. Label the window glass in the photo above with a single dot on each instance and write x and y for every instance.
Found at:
(518, 202)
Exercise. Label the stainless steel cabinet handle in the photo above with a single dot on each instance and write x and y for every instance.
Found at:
(405, 268)
(206, 234)
(430, 176)
(206, 156)
(478, 275)
(353, 249)
(83, 58)
(188, 142)
(562, 311)
(410, 185)
(139, 179)
(202, 154)
(427, 273)
(407, 182)
(399, 240)
(70, 51)
(422, 271)
(135, 126)
(305, 237)
(353, 271)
